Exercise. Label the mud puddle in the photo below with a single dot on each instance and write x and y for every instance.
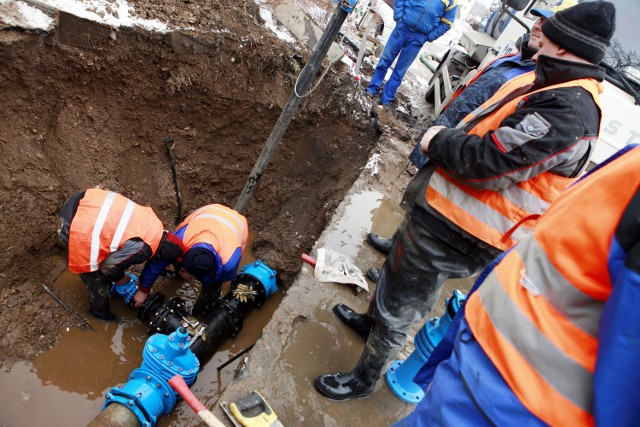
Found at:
(66, 385)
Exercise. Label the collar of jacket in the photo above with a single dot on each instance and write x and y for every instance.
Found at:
(525, 51)
(552, 71)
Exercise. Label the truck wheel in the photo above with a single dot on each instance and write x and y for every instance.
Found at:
(430, 96)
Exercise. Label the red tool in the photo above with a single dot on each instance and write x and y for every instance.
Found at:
(181, 387)
(306, 258)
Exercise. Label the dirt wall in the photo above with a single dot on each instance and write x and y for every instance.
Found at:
(90, 106)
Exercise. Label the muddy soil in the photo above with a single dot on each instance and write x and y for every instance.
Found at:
(90, 106)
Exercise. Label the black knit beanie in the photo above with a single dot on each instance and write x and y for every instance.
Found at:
(584, 29)
(199, 262)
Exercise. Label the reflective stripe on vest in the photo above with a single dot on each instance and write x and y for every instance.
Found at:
(221, 227)
(103, 222)
(491, 214)
(537, 314)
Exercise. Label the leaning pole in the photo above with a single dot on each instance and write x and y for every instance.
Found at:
(305, 79)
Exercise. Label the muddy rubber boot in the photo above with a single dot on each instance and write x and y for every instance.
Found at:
(208, 296)
(374, 274)
(379, 243)
(101, 310)
(361, 323)
(345, 386)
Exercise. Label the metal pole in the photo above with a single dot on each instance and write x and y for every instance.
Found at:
(69, 309)
(306, 77)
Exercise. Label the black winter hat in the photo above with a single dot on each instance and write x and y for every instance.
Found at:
(584, 29)
(199, 262)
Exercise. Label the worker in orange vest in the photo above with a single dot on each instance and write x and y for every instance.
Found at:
(550, 334)
(214, 237)
(486, 183)
(105, 234)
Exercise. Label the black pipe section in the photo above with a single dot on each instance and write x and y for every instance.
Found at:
(224, 319)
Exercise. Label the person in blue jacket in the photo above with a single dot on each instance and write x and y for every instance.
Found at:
(417, 22)
(558, 342)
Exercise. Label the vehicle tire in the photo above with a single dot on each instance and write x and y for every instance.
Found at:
(430, 96)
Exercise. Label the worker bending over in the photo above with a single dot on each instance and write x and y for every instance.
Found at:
(105, 233)
(214, 238)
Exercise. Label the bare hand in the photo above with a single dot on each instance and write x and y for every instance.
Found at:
(428, 136)
(139, 298)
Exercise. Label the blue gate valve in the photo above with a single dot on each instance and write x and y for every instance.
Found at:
(147, 393)
(400, 375)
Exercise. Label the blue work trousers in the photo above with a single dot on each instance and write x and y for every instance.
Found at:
(404, 42)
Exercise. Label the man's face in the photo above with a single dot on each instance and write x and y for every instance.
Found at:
(536, 32)
(547, 47)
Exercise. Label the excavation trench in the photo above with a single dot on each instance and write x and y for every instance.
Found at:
(89, 106)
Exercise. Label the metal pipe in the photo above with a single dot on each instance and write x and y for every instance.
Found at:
(306, 77)
(115, 415)
(63, 304)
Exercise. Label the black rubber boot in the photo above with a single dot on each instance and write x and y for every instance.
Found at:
(374, 274)
(344, 386)
(203, 305)
(361, 323)
(101, 310)
(379, 243)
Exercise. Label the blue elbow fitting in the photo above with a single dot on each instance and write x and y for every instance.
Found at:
(126, 291)
(400, 375)
(148, 394)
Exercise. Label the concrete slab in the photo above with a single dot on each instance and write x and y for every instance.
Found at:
(307, 31)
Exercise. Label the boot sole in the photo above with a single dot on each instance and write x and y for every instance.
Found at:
(338, 399)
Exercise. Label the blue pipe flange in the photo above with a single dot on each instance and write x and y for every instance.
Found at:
(263, 274)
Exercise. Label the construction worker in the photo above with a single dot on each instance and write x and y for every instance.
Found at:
(551, 334)
(484, 185)
(105, 234)
(215, 238)
(417, 22)
(488, 80)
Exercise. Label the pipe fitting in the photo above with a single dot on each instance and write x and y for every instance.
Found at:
(401, 373)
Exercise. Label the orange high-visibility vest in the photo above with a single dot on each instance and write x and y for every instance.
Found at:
(103, 222)
(220, 226)
(536, 315)
(491, 214)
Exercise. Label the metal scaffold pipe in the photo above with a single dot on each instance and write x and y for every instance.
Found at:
(306, 77)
